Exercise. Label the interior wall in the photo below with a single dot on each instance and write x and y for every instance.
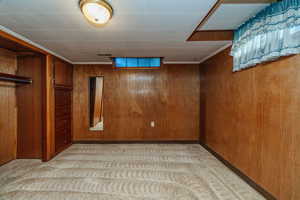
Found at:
(133, 98)
(252, 119)
(49, 137)
(29, 102)
(63, 73)
(58, 81)
(8, 109)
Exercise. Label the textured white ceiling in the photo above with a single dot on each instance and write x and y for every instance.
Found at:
(231, 16)
(138, 28)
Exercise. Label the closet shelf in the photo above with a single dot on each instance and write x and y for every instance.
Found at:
(14, 78)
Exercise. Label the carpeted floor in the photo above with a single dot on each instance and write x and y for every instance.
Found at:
(127, 172)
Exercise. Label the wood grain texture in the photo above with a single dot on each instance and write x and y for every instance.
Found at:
(63, 73)
(8, 109)
(252, 119)
(63, 115)
(49, 141)
(29, 101)
(15, 44)
(46, 99)
(133, 98)
(12, 45)
(212, 35)
(63, 76)
(59, 74)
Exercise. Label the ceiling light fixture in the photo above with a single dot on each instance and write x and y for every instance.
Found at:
(97, 12)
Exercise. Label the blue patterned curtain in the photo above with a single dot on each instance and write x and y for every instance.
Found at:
(272, 33)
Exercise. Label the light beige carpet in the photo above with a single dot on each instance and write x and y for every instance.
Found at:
(129, 172)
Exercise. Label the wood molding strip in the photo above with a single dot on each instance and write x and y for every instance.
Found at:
(206, 18)
(248, 180)
(214, 9)
(21, 42)
(63, 87)
(138, 142)
(213, 35)
(247, 1)
(25, 42)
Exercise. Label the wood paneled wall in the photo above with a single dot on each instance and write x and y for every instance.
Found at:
(53, 71)
(8, 108)
(58, 77)
(63, 116)
(63, 104)
(29, 102)
(252, 119)
(133, 98)
(63, 73)
(49, 137)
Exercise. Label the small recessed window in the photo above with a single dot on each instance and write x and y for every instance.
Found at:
(123, 62)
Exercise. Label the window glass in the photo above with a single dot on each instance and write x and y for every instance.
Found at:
(137, 62)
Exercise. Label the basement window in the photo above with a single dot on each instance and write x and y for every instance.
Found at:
(129, 62)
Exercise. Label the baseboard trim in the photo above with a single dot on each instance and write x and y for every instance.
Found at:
(243, 176)
(6, 162)
(138, 142)
(61, 149)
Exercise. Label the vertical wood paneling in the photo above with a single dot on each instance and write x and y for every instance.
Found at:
(8, 109)
(252, 119)
(29, 101)
(63, 84)
(59, 77)
(133, 98)
(49, 147)
(63, 72)
(63, 113)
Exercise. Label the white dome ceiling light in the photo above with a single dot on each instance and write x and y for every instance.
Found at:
(97, 12)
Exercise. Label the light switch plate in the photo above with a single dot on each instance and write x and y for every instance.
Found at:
(152, 124)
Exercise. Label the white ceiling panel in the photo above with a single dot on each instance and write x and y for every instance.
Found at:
(138, 28)
(231, 16)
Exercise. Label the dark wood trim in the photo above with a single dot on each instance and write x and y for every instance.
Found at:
(63, 87)
(44, 109)
(212, 35)
(138, 142)
(247, 1)
(2, 164)
(248, 180)
(61, 150)
(20, 43)
(206, 18)
(214, 9)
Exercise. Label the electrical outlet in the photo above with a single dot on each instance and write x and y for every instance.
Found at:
(152, 124)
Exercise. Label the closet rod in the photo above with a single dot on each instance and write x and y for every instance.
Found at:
(14, 78)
